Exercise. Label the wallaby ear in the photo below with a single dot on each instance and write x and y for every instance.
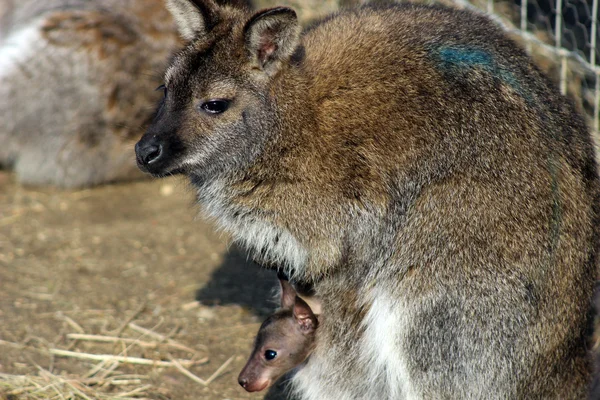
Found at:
(272, 37)
(194, 18)
(288, 294)
(304, 316)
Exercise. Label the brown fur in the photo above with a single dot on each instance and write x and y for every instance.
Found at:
(413, 165)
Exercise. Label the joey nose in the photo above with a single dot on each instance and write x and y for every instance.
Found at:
(148, 153)
(243, 382)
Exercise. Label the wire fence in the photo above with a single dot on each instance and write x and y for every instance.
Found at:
(562, 36)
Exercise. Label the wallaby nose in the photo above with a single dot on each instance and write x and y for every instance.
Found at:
(148, 153)
(243, 382)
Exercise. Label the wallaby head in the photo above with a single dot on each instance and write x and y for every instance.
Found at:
(217, 114)
(283, 342)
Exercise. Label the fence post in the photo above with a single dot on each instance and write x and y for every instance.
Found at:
(593, 43)
(558, 44)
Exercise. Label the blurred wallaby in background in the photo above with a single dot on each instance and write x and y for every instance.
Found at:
(416, 168)
(76, 86)
(77, 80)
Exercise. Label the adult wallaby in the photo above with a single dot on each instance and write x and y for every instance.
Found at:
(74, 79)
(413, 165)
(283, 342)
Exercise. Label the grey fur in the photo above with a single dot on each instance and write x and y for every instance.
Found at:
(76, 86)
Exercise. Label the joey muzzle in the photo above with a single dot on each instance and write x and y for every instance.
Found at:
(253, 378)
(253, 384)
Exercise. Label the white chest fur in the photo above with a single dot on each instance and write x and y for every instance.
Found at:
(276, 244)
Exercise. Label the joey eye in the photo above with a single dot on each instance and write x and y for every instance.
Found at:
(215, 106)
(270, 354)
(163, 88)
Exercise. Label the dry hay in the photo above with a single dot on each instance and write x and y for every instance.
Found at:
(104, 380)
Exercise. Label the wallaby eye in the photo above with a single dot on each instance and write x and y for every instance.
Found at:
(163, 88)
(270, 354)
(216, 106)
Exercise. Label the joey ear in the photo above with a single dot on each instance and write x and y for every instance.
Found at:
(288, 294)
(272, 37)
(194, 18)
(304, 316)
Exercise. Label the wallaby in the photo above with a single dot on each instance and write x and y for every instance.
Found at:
(283, 342)
(74, 80)
(414, 166)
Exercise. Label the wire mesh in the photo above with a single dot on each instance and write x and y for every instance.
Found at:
(562, 36)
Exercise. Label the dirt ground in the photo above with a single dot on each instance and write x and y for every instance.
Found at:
(99, 261)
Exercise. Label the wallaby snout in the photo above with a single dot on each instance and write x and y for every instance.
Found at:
(243, 382)
(159, 154)
(250, 381)
(147, 153)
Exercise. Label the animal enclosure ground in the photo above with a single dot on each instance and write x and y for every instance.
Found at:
(109, 261)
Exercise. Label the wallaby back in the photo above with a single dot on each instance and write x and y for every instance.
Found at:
(415, 167)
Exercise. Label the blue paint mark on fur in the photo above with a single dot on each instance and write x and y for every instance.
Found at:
(466, 57)
(453, 58)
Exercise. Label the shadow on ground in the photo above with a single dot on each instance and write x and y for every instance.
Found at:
(240, 281)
